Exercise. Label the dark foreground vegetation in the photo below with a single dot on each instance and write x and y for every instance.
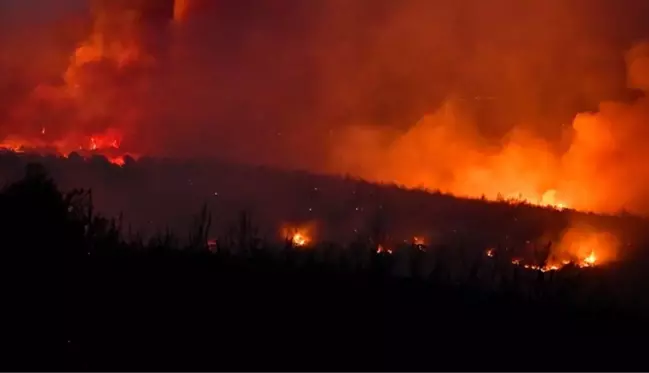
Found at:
(153, 194)
(79, 294)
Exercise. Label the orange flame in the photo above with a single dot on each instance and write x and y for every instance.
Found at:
(113, 42)
(299, 239)
(300, 235)
(119, 161)
(590, 259)
(585, 246)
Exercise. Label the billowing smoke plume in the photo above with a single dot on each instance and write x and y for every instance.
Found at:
(91, 98)
(601, 167)
(542, 100)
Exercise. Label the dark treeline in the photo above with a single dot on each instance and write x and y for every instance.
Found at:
(154, 194)
(79, 294)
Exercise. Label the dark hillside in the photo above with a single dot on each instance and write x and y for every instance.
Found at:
(77, 295)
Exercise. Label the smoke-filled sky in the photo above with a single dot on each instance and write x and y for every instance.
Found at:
(331, 63)
(343, 85)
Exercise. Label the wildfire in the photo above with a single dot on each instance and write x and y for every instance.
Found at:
(590, 259)
(106, 144)
(580, 246)
(298, 239)
(12, 146)
(119, 161)
(522, 169)
(299, 235)
(547, 199)
(92, 105)
(546, 268)
(382, 250)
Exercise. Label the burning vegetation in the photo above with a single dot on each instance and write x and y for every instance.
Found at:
(394, 95)
(99, 103)
(299, 235)
(580, 246)
(96, 101)
(589, 169)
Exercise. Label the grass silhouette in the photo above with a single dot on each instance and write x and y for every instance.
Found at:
(80, 294)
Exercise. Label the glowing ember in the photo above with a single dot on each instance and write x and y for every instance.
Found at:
(490, 253)
(588, 261)
(382, 250)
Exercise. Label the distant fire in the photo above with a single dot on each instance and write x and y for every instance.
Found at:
(299, 239)
(546, 199)
(106, 144)
(587, 247)
(418, 241)
(119, 161)
(519, 168)
(580, 246)
(585, 262)
(380, 249)
(94, 104)
(590, 259)
(299, 235)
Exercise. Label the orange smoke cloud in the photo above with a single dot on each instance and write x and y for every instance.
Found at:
(601, 170)
(586, 246)
(96, 102)
(269, 84)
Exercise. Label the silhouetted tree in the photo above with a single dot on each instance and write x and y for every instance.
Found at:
(37, 219)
